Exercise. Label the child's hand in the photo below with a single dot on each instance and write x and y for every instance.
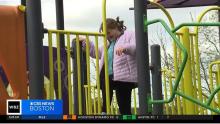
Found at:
(120, 51)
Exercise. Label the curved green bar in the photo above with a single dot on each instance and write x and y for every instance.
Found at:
(185, 56)
(196, 24)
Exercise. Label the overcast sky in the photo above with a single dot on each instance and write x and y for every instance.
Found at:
(85, 15)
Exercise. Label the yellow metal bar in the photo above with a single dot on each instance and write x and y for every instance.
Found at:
(88, 74)
(97, 74)
(174, 48)
(70, 95)
(179, 112)
(182, 79)
(22, 8)
(94, 99)
(165, 90)
(211, 82)
(193, 71)
(58, 66)
(218, 82)
(135, 103)
(86, 94)
(190, 108)
(197, 54)
(79, 75)
(112, 108)
(105, 56)
(169, 17)
(76, 32)
(116, 106)
(51, 65)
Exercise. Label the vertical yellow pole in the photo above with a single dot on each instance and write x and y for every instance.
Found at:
(79, 75)
(97, 74)
(193, 71)
(199, 19)
(218, 82)
(70, 94)
(94, 100)
(135, 102)
(112, 107)
(116, 106)
(182, 82)
(211, 87)
(86, 94)
(51, 66)
(59, 67)
(88, 74)
(105, 56)
(201, 109)
(179, 112)
(190, 108)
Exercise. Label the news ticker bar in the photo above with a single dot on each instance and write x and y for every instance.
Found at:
(110, 117)
(34, 107)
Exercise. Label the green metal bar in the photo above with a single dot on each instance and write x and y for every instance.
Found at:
(79, 75)
(97, 74)
(196, 31)
(176, 61)
(150, 101)
(169, 17)
(196, 24)
(212, 95)
(70, 94)
(58, 66)
(185, 55)
(211, 84)
(51, 65)
(198, 102)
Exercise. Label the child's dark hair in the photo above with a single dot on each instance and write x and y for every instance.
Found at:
(112, 24)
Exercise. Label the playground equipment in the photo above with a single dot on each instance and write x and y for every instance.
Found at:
(180, 99)
(12, 55)
(184, 35)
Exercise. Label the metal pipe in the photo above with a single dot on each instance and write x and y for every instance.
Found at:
(156, 79)
(60, 20)
(35, 48)
(142, 53)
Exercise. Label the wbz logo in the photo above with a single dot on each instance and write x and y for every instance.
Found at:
(13, 107)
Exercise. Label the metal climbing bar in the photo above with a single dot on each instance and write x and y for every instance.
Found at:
(196, 24)
(150, 101)
(197, 60)
(185, 55)
(68, 35)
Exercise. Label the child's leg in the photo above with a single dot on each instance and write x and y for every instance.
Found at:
(123, 94)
